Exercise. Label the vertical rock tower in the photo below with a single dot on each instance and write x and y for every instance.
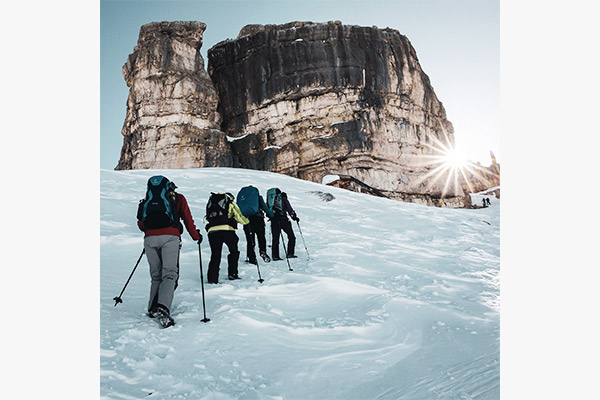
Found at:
(311, 99)
(172, 119)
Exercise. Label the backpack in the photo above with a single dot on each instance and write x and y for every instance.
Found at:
(217, 210)
(274, 201)
(247, 201)
(159, 208)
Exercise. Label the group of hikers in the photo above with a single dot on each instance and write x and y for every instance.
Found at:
(160, 214)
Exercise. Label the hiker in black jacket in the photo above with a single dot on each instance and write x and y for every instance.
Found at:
(255, 231)
(252, 206)
(281, 207)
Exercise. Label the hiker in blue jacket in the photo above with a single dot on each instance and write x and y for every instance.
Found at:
(281, 207)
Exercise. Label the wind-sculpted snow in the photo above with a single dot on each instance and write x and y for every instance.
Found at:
(397, 301)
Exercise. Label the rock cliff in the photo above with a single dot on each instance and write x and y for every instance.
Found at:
(304, 99)
(172, 119)
(310, 99)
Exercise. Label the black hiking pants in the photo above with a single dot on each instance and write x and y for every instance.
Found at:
(216, 240)
(279, 224)
(256, 228)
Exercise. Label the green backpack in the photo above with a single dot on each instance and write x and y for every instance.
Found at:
(274, 201)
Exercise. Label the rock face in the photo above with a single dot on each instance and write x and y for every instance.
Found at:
(303, 99)
(172, 119)
(311, 99)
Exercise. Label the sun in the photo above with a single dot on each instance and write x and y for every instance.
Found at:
(455, 158)
(448, 164)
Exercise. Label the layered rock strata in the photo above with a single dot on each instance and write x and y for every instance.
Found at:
(172, 119)
(311, 99)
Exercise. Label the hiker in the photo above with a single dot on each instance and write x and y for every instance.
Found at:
(484, 203)
(252, 205)
(222, 215)
(487, 200)
(158, 216)
(280, 205)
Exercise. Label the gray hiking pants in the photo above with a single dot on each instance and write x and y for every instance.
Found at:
(163, 257)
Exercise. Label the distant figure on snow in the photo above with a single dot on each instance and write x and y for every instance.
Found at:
(158, 216)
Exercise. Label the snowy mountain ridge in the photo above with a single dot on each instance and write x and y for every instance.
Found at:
(397, 300)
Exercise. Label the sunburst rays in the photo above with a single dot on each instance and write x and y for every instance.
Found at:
(449, 167)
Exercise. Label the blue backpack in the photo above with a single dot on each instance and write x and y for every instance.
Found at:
(159, 208)
(247, 201)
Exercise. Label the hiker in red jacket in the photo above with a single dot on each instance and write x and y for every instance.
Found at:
(159, 216)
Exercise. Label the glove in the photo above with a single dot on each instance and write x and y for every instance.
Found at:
(295, 218)
(199, 234)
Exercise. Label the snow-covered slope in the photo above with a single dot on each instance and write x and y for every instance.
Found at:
(397, 301)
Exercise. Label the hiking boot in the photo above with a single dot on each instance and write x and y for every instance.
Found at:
(265, 256)
(162, 316)
(277, 258)
(233, 277)
(159, 311)
(251, 261)
(213, 282)
(292, 256)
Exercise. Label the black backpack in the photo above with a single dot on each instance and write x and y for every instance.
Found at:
(159, 208)
(217, 210)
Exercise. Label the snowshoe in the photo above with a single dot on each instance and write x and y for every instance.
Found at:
(249, 261)
(292, 256)
(233, 277)
(277, 259)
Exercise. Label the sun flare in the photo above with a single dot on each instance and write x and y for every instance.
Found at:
(455, 158)
(449, 165)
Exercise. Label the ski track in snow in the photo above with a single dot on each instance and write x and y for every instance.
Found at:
(397, 301)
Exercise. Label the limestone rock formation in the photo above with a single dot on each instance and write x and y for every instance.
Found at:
(172, 119)
(311, 99)
(304, 99)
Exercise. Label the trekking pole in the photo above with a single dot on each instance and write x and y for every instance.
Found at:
(260, 279)
(285, 251)
(118, 298)
(302, 236)
(270, 237)
(202, 284)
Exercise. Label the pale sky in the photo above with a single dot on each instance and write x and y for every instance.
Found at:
(457, 43)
